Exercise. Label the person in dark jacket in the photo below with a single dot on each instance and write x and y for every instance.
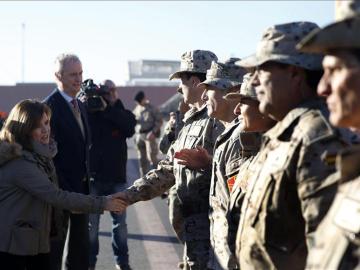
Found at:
(109, 126)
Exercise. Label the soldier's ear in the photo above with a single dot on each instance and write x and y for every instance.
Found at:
(296, 72)
(58, 75)
(298, 75)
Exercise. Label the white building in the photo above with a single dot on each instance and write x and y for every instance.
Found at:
(152, 72)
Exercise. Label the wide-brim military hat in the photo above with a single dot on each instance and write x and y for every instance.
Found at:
(278, 44)
(222, 84)
(197, 61)
(247, 91)
(339, 35)
(344, 33)
(224, 76)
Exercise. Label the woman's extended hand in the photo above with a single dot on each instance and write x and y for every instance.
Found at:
(115, 204)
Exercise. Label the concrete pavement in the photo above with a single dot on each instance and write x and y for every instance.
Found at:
(152, 242)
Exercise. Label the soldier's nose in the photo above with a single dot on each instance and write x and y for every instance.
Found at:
(324, 87)
(237, 110)
(254, 80)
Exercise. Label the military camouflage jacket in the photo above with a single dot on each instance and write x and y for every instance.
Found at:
(337, 240)
(238, 192)
(232, 147)
(148, 118)
(288, 193)
(192, 185)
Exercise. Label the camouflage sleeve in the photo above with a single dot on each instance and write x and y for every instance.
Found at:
(153, 184)
(179, 123)
(167, 139)
(316, 186)
(158, 120)
(165, 142)
(243, 147)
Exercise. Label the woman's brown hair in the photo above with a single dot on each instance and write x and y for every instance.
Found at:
(22, 120)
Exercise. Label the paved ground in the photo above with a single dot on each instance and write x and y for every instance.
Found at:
(152, 243)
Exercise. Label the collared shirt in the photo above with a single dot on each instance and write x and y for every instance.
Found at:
(232, 148)
(66, 97)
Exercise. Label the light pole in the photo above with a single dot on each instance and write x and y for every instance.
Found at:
(23, 52)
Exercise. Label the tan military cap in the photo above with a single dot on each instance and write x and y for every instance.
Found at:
(343, 34)
(345, 9)
(278, 44)
(247, 90)
(198, 61)
(225, 75)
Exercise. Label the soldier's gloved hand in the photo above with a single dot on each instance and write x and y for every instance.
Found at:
(195, 159)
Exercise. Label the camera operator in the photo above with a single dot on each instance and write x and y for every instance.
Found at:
(110, 125)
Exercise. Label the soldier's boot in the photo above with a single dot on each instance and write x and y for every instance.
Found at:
(122, 267)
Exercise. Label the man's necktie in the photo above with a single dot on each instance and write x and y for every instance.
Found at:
(76, 110)
(75, 105)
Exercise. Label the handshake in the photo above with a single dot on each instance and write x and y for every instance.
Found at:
(116, 202)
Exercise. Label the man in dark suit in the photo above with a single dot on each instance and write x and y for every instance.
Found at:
(69, 127)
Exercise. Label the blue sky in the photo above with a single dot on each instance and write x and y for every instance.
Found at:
(106, 35)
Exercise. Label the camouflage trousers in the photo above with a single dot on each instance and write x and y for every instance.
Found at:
(197, 241)
(196, 251)
(147, 151)
(196, 254)
(175, 213)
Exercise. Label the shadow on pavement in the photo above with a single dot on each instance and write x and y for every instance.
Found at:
(144, 237)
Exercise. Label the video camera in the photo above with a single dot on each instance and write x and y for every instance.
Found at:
(93, 94)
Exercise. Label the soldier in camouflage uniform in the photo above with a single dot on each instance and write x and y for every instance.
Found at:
(171, 132)
(337, 239)
(221, 79)
(287, 194)
(192, 185)
(252, 122)
(147, 129)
